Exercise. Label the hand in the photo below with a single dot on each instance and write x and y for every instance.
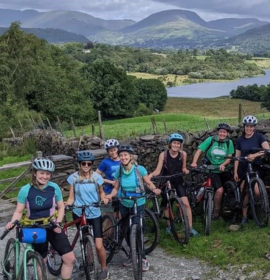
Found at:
(250, 157)
(194, 165)
(185, 171)
(106, 200)
(9, 225)
(150, 176)
(222, 167)
(156, 191)
(111, 182)
(108, 196)
(236, 178)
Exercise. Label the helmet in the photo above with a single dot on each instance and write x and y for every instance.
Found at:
(249, 120)
(224, 126)
(43, 164)
(84, 155)
(127, 148)
(111, 143)
(176, 137)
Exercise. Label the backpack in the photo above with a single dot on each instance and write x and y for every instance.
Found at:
(213, 140)
(140, 185)
(92, 179)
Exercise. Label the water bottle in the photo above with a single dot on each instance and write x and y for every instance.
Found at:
(200, 194)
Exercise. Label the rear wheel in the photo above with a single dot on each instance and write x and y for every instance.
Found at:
(108, 236)
(54, 262)
(35, 267)
(209, 203)
(150, 231)
(136, 251)
(179, 220)
(259, 203)
(9, 262)
(91, 263)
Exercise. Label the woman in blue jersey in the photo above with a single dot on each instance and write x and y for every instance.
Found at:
(127, 180)
(40, 197)
(86, 187)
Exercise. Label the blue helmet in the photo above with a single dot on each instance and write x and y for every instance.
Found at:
(126, 148)
(85, 156)
(43, 164)
(176, 137)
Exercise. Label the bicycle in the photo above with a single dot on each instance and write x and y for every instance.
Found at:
(259, 204)
(177, 212)
(202, 190)
(30, 265)
(84, 234)
(114, 234)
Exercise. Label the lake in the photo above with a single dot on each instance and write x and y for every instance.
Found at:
(215, 89)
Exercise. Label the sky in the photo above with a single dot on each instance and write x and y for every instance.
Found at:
(140, 9)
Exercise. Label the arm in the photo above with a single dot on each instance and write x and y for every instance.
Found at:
(195, 158)
(102, 195)
(236, 164)
(264, 145)
(226, 162)
(114, 191)
(106, 181)
(70, 199)
(158, 169)
(150, 185)
(17, 214)
(184, 168)
(61, 211)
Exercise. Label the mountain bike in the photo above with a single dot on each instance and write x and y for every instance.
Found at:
(84, 233)
(24, 264)
(114, 233)
(177, 218)
(258, 198)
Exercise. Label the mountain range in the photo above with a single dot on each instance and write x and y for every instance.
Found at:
(169, 29)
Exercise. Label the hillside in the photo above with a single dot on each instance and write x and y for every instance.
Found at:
(52, 35)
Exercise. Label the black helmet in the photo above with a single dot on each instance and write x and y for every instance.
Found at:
(224, 126)
(127, 148)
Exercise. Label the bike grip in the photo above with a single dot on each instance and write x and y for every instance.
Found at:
(8, 230)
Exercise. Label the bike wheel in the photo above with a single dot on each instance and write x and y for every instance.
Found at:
(108, 236)
(208, 210)
(153, 205)
(35, 267)
(9, 263)
(136, 251)
(91, 263)
(179, 220)
(231, 202)
(150, 231)
(259, 204)
(54, 262)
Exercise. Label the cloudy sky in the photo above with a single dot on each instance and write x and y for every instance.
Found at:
(139, 9)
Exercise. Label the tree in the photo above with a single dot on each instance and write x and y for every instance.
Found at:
(112, 90)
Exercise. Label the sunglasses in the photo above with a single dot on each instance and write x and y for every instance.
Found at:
(86, 163)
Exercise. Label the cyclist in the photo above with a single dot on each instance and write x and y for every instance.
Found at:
(86, 187)
(172, 162)
(109, 165)
(216, 148)
(244, 147)
(39, 198)
(127, 180)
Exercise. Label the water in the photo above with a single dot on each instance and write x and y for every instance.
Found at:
(216, 89)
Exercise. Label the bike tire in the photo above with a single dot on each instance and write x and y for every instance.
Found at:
(136, 251)
(108, 232)
(151, 231)
(9, 261)
(34, 259)
(91, 263)
(259, 205)
(208, 210)
(179, 220)
(54, 262)
(230, 205)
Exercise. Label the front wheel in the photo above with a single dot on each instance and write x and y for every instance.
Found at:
(150, 231)
(54, 262)
(91, 263)
(9, 263)
(108, 232)
(179, 220)
(136, 251)
(259, 202)
(35, 267)
(208, 210)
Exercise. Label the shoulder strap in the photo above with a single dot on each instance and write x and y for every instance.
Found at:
(212, 142)
(139, 179)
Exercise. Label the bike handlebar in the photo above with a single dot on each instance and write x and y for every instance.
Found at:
(95, 204)
(204, 168)
(167, 176)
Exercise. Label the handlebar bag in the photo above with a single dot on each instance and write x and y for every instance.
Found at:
(33, 235)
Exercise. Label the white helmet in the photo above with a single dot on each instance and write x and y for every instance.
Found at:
(43, 164)
(111, 143)
(250, 120)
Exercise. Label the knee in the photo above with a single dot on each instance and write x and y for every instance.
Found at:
(219, 191)
(99, 247)
(69, 258)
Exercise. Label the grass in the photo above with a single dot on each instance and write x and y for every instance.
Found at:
(223, 248)
(184, 114)
(263, 62)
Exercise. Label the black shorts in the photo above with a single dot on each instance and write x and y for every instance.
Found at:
(219, 179)
(96, 223)
(59, 241)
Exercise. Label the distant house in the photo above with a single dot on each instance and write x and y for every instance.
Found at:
(86, 51)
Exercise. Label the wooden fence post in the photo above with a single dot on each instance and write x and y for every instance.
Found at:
(101, 132)
(239, 113)
(49, 123)
(208, 127)
(93, 129)
(12, 132)
(165, 126)
(154, 125)
(59, 125)
(73, 127)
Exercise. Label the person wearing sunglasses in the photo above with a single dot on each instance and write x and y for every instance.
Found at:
(86, 188)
